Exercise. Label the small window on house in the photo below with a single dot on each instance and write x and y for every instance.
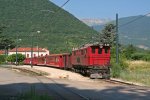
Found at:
(27, 55)
(106, 50)
(93, 50)
(100, 51)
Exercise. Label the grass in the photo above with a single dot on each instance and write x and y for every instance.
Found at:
(138, 71)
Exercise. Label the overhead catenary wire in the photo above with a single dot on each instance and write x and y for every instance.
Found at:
(138, 18)
(55, 13)
(64, 3)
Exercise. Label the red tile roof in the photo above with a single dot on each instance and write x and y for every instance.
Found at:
(28, 49)
(2, 52)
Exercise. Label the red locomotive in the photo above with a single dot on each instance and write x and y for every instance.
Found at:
(91, 59)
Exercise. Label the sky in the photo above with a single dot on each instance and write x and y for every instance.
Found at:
(105, 9)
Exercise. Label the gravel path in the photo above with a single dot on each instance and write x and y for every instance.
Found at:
(59, 74)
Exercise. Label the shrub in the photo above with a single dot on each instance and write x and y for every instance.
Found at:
(117, 68)
(128, 51)
(140, 56)
(137, 56)
(2, 58)
(146, 57)
(12, 58)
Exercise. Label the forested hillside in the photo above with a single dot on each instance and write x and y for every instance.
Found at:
(57, 29)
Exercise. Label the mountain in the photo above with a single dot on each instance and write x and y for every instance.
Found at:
(50, 25)
(133, 30)
(96, 21)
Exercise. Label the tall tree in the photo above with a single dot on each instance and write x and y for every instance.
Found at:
(108, 34)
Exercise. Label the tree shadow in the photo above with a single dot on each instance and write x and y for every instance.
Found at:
(65, 92)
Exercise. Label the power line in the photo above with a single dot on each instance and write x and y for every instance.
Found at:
(57, 11)
(140, 17)
(64, 4)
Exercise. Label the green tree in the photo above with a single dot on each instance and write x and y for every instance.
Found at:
(129, 50)
(12, 58)
(2, 58)
(108, 34)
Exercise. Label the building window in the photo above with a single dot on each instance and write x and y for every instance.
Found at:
(27, 55)
(100, 51)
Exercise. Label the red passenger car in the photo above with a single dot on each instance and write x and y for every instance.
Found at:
(58, 60)
(93, 59)
(41, 60)
(34, 60)
(27, 61)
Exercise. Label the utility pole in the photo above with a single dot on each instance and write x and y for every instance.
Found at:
(5, 54)
(117, 41)
(31, 51)
(38, 43)
(17, 50)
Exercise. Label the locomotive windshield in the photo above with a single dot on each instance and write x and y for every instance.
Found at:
(99, 50)
(93, 50)
(106, 49)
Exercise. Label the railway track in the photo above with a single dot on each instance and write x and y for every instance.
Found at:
(115, 81)
(52, 87)
(58, 94)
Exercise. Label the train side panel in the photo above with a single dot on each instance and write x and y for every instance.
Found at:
(54, 61)
(66, 61)
(35, 61)
(27, 61)
(41, 60)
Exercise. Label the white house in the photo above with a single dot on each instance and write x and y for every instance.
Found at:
(27, 51)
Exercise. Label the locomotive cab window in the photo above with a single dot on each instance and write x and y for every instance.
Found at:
(93, 50)
(106, 50)
(99, 50)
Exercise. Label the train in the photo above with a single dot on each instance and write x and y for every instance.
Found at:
(91, 59)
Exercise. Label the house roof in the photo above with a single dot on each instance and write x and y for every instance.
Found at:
(2, 52)
(28, 49)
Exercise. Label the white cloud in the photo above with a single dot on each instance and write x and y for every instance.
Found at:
(148, 15)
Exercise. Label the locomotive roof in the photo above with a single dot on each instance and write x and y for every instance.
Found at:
(59, 54)
(90, 45)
